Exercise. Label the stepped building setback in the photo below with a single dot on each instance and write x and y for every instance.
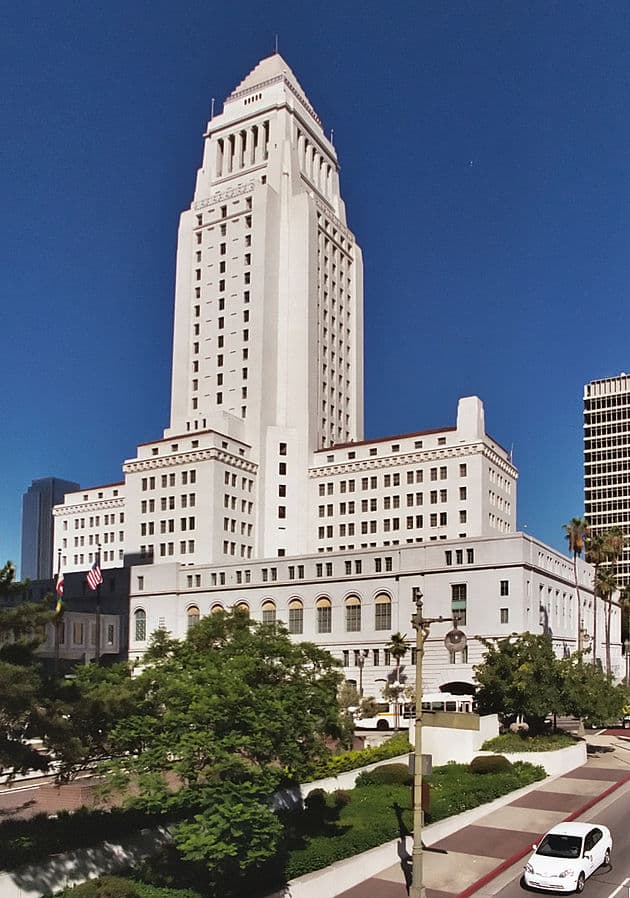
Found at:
(263, 492)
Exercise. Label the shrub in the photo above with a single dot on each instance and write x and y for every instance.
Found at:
(518, 743)
(342, 798)
(141, 890)
(105, 887)
(387, 775)
(350, 760)
(489, 764)
(315, 800)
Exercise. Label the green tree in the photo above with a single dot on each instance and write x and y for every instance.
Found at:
(596, 554)
(222, 718)
(575, 532)
(22, 704)
(605, 587)
(589, 692)
(519, 678)
(398, 648)
(84, 711)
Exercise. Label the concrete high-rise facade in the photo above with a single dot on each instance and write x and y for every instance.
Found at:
(263, 493)
(37, 525)
(607, 460)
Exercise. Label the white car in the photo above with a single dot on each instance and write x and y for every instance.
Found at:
(567, 856)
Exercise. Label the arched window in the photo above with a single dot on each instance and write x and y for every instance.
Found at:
(268, 612)
(382, 612)
(217, 608)
(296, 616)
(324, 615)
(353, 614)
(242, 608)
(140, 624)
(193, 616)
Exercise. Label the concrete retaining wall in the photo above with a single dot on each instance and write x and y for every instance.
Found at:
(554, 762)
(63, 870)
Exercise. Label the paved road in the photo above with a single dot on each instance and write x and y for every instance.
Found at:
(613, 812)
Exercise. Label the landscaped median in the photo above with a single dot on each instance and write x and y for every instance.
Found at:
(352, 828)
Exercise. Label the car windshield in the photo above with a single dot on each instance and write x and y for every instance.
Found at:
(557, 845)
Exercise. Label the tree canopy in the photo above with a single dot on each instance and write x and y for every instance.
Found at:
(521, 676)
(22, 703)
(220, 720)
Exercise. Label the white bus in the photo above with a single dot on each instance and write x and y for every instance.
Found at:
(385, 717)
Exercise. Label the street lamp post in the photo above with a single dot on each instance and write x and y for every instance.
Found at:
(626, 646)
(455, 641)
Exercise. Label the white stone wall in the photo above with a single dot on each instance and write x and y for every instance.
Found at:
(539, 582)
(86, 520)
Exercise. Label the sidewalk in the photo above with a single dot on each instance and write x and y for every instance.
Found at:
(463, 862)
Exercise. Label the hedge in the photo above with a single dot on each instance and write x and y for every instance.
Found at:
(380, 813)
(119, 887)
(350, 760)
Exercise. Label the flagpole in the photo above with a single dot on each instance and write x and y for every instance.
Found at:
(57, 616)
(98, 614)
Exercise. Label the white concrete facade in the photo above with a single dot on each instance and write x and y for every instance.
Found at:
(262, 491)
(351, 602)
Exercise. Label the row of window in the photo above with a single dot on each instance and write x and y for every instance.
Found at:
(95, 521)
(166, 480)
(323, 614)
(185, 547)
(186, 500)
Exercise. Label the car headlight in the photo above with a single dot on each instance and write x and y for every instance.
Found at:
(529, 868)
(565, 873)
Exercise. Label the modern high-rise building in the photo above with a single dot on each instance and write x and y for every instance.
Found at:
(37, 525)
(607, 460)
(263, 492)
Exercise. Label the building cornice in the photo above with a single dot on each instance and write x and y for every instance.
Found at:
(417, 457)
(89, 505)
(186, 458)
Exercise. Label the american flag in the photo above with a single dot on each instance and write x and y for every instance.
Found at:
(94, 577)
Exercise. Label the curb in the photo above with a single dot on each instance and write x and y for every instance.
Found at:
(509, 861)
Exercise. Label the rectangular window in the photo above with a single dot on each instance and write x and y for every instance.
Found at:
(353, 617)
(458, 602)
(324, 621)
(296, 620)
(505, 615)
(504, 588)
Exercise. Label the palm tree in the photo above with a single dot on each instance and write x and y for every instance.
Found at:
(624, 601)
(397, 648)
(596, 554)
(576, 531)
(606, 585)
(615, 542)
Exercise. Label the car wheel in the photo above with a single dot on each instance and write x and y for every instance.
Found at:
(382, 725)
(606, 862)
(579, 887)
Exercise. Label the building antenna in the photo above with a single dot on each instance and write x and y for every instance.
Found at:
(212, 109)
(332, 136)
(276, 42)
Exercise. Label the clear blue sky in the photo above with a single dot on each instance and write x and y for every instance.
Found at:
(485, 166)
